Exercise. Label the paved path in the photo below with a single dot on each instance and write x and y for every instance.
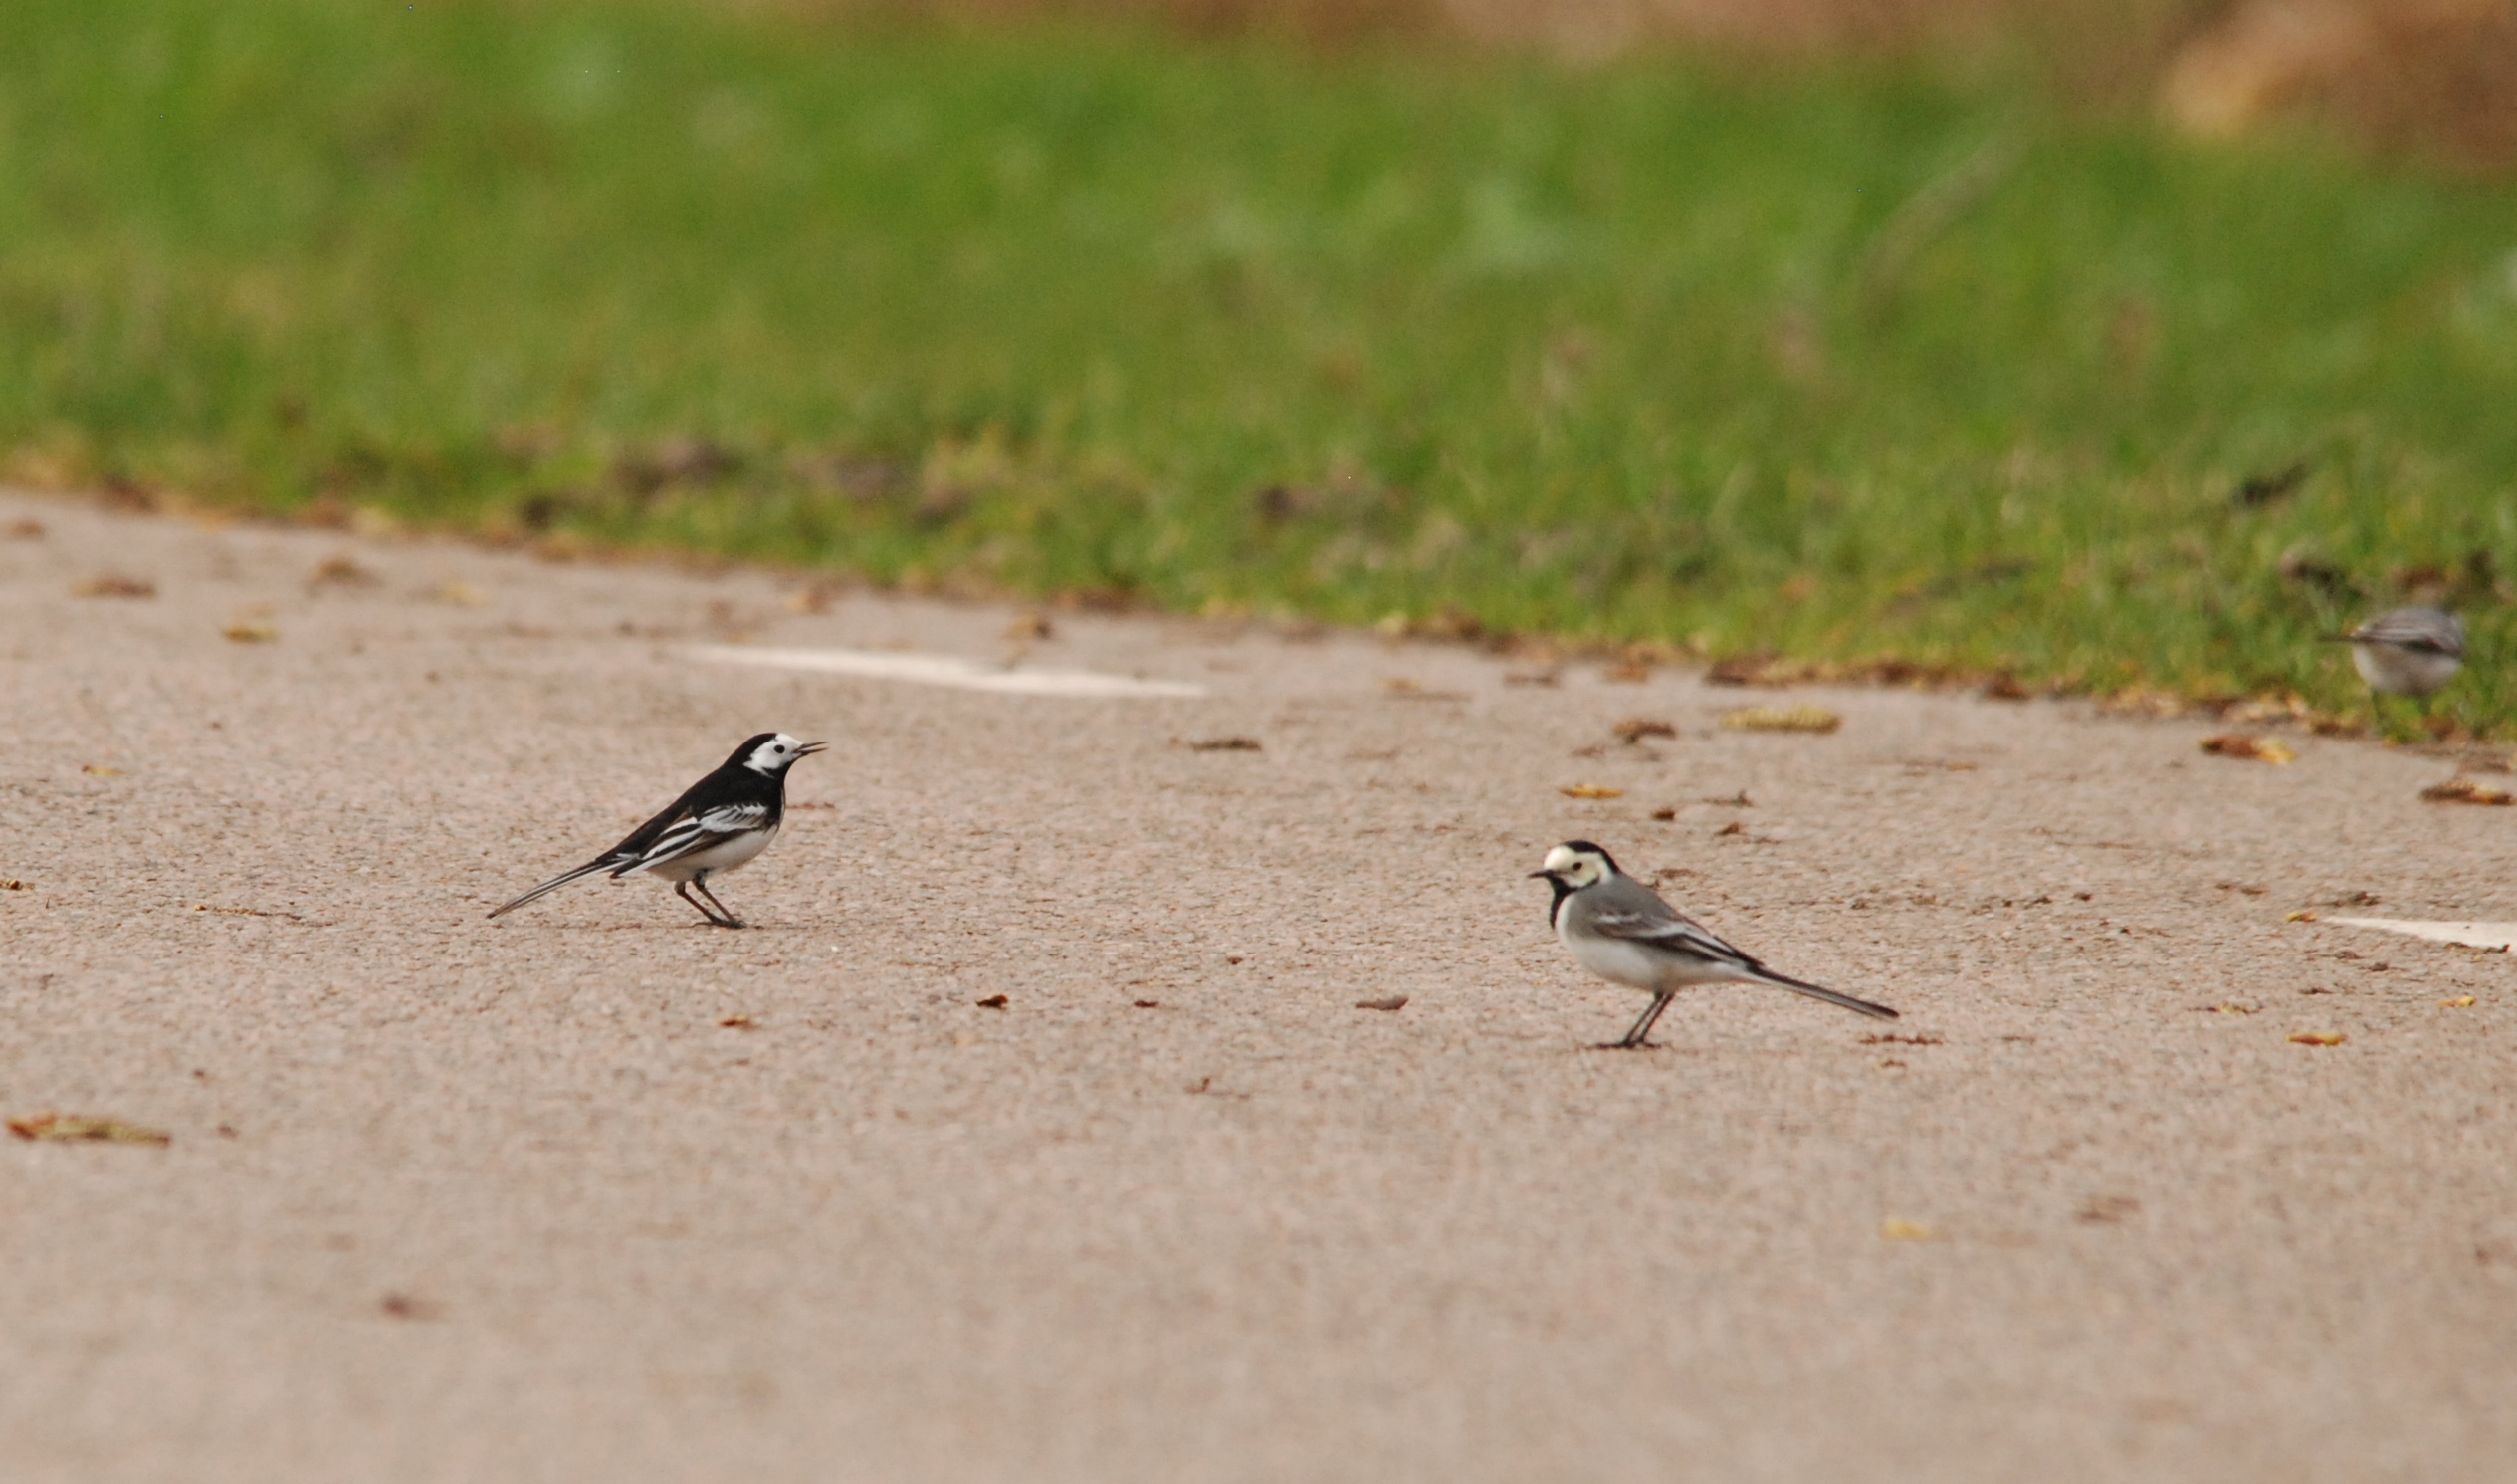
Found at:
(466, 1201)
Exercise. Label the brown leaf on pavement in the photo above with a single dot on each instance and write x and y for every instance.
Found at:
(1634, 729)
(2467, 791)
(2241, 744)
(115, 585)
(2317, 1037)
(73, 1128)
(1393, 1003)
(1589, 790)
(1782, 718)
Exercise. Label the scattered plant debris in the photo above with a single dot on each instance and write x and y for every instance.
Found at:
(1898, 1040)
(26, 530)
(1589, 790)
(992, 1002)
(1783, 719)
(1739, 801)
(2460, 1002)
(2246, 887)
(1894, 1230)
(1220, 743)
(1548, 679)
(1149, 1004)
(1665, 812)
(1731, 828)
(2109, 1211)
(1634, 729)
(1030, 628)
(2317, 1037)
(1404, 688)
(2231, 1008)
(115, 585)
(13, 884)
(1626, 673)
(460, 594)
(250, 631)
(100, 771)
(2258, 490)
(2242, 744)
(739, 1022)
(2004, 686)
(407, 1305)
(73, 1128)
(1393, 1003)
(340, 571)
(2467, 791)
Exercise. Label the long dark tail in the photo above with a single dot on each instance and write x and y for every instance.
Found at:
(1820, 991)
(554, 884)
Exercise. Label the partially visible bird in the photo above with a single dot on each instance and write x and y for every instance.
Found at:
(2408, 652)
(717, 824)
(1620, 929)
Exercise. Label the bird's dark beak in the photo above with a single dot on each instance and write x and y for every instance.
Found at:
(1542, 876)
(807, 749)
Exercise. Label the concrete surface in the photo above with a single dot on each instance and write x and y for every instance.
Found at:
(457, 1200)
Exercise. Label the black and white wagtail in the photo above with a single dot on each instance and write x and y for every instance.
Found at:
(1621, 930)
(2408, 652)
(724, 821)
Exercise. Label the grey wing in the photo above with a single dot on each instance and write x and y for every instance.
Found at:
(1645, 919)
(698, 831)
(2430, 629)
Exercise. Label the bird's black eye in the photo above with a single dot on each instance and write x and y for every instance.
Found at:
(780, 747)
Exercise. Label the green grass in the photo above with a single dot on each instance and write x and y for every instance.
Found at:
(1647, 351)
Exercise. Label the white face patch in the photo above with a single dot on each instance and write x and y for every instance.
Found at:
(775, 755)
(1575, 867)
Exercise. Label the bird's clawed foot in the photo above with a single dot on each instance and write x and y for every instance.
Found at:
(713, 910)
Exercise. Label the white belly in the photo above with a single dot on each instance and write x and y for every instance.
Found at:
(2403, 672)
(716, 859)
(1639, 967)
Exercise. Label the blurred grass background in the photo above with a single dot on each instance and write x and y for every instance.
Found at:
(1885, 353)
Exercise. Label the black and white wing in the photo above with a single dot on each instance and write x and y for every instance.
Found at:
(698, 831)
(2431, 630)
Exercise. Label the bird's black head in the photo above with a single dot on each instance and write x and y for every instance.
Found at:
(772, 753)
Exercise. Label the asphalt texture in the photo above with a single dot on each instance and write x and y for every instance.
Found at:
(596, 1191)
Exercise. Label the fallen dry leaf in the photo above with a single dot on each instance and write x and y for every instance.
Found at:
(2235, 1009)
(1665, 812)
(1893, 1039)
(1222, 744)
(2109, 1211)
(1393, 1003)
(2241, 744)
(99, 770)
(405, 1306)
(115, 585)
(739, 1022)
(250, 631)
(2467, 791)
(340, 571)
(15, 885)
(1802, 717)
(72, 1128)
(992, 1002)
(1894, 1230)
(2317, 1037)
(1589, 790)
(2303, 915)
(2460, 1002)
(1149, 1004)
(1634, 729)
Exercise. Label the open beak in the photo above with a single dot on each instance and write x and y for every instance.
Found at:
(807, 749)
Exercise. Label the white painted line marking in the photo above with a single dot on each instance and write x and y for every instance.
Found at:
(949, 670)
(2472, 935)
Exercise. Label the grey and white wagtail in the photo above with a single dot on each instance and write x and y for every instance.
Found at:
(723, 821)
(1620, 929)
(2409, 652)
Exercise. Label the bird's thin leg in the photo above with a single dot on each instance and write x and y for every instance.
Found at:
(701, 881)
(1634, 1039)
(682, 889)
